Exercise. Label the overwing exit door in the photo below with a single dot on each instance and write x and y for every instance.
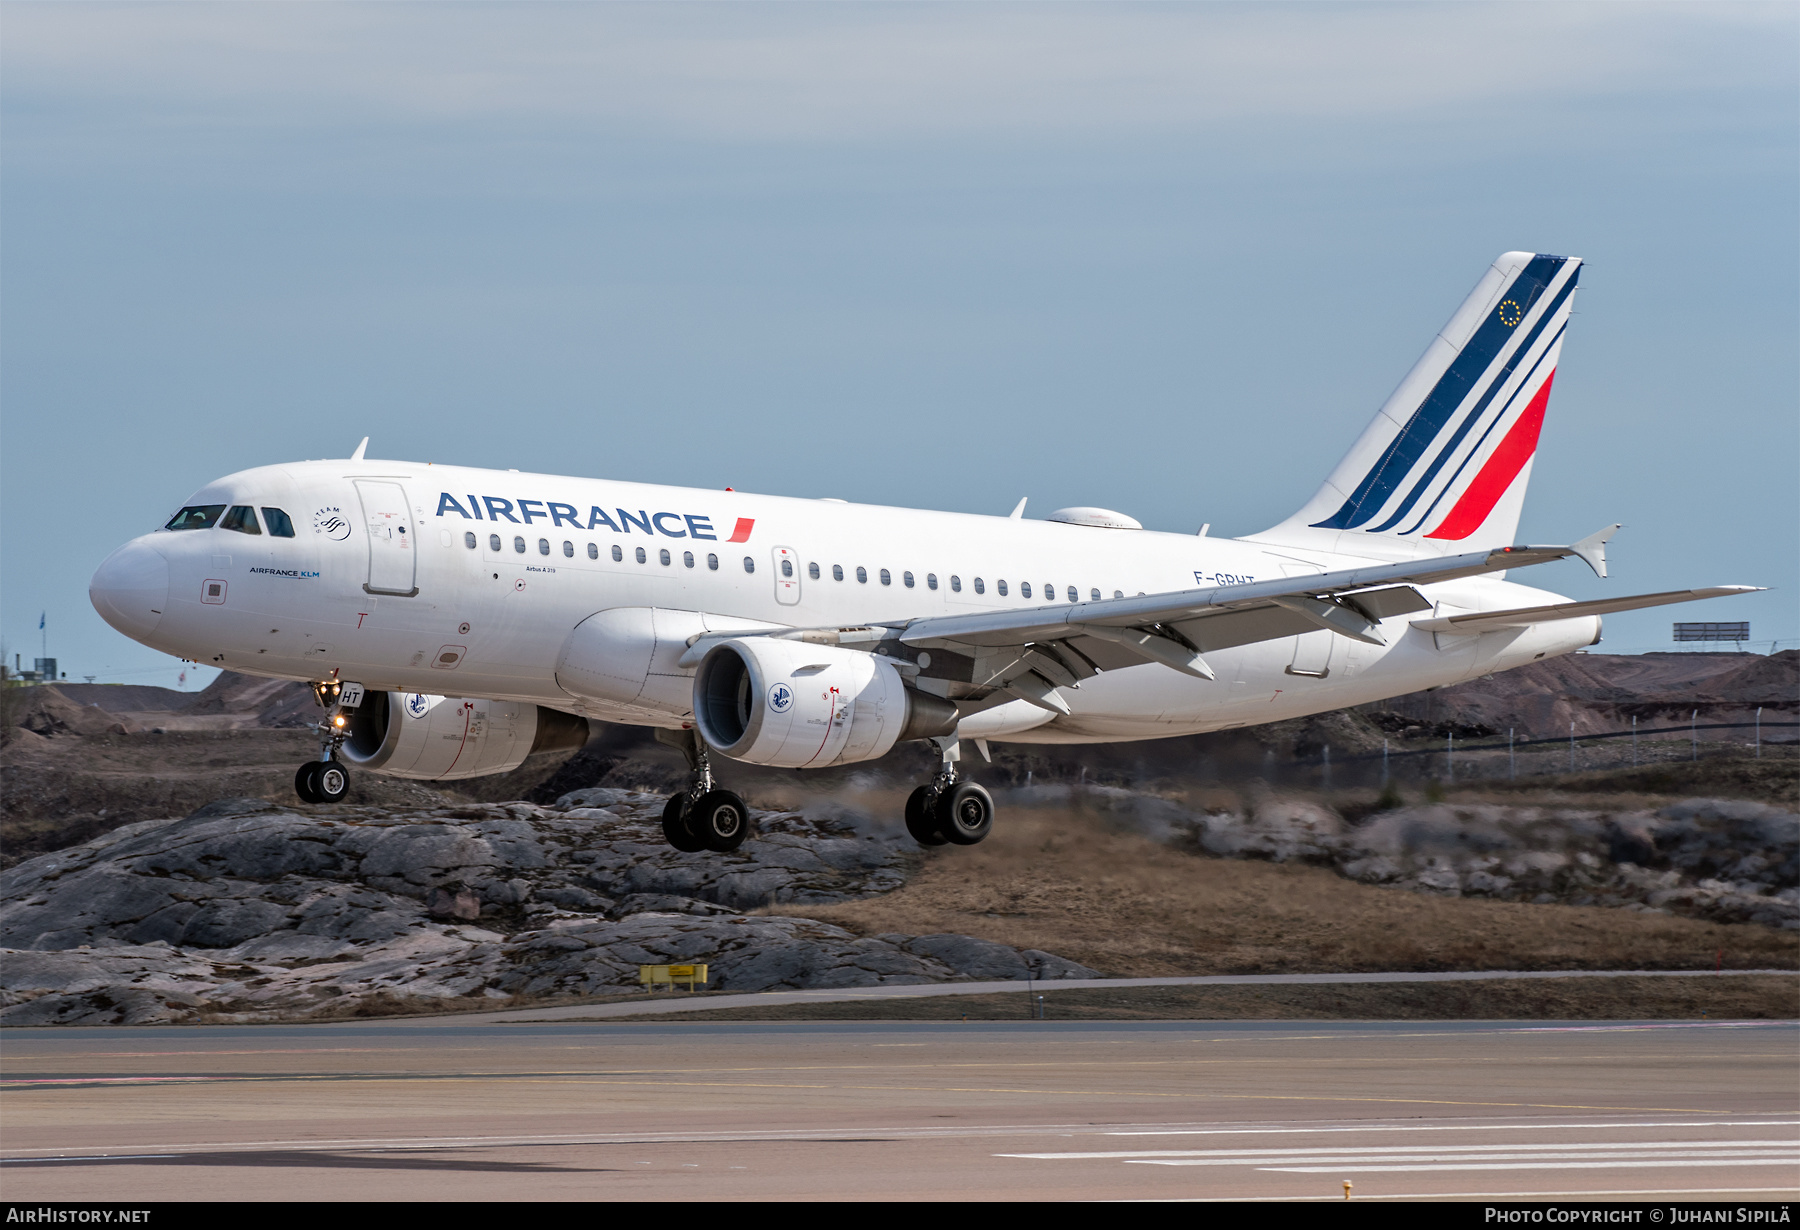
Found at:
(787, 575)
(392, 552)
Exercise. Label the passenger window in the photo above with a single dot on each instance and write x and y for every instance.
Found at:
(663, 555)
(837, 572)
(1000, 586)
(979, 587)
(280, 526)
(931, 580)
(568, 549)
(543, 546)
(518, 544)
(1074, 595)
(196, 517)
(687, 559)
(1118, 593)
(1024, 589)
(712, 562)
(1094, 594)
(493, 542)
(618, 555)
(787, 568)
(887, 578)
(241, 518)
(812, 570)
(469, 539)
(641, 557)
(749, 564)
(906, 579)
(593, 551)
(956, 585)
(862, 575)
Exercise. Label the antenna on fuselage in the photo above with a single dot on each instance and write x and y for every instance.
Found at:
(360, 449)
(1019, 511)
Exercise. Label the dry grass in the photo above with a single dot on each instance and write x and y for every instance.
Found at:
(1068, 883)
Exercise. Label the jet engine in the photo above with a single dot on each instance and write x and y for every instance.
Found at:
(440, 738)
(801, 706)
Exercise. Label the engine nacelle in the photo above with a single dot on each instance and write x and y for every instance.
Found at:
(441, 738)
(801, 706)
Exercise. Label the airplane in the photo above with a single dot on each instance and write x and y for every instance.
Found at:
(452, 621)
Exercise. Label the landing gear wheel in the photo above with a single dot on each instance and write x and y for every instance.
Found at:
(920, 821)
(720, 820)
(675, 826)
(306, 782)
(965, 813)
(332, 782)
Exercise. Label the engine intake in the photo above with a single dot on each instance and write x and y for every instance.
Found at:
(800, 706)
(444, 738)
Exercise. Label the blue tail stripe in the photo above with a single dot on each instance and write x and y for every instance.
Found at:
(1402, 454)
(1530, 382)
(1480, 408)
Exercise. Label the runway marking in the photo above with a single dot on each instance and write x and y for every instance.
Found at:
(1612, 1165)
(1456, 1127)
(1227, 1157)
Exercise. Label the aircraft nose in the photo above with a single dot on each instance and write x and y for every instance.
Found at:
(131, 589)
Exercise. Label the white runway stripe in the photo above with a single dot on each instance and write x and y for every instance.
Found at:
(1476, 1165)
(1644, 1148)
(1363, 1159)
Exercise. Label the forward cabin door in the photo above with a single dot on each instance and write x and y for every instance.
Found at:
(393, 553)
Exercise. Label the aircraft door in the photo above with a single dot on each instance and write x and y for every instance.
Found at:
(392, 551)
(787, 575)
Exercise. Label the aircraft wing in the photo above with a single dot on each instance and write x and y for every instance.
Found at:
(1030, 653)
(1495, 621)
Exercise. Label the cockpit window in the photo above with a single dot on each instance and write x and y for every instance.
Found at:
(241, 518)
(196, 517)
(279, 524)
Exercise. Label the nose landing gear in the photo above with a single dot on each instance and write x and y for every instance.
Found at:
(702, 817)
(949, 810)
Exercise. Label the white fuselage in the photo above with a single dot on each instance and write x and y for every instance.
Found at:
(490, 620)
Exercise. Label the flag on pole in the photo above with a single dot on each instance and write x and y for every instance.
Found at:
(41, 621)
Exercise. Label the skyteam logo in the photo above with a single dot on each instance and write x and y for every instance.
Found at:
(781, 698)
(417, 704)
(330, 521)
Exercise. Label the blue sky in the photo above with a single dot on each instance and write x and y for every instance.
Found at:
(1167, 259)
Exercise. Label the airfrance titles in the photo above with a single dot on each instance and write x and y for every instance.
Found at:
(619, 520)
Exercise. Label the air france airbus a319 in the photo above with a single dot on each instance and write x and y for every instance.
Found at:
(452, 621)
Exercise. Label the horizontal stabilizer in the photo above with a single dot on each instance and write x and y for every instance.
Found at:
(1496, 621)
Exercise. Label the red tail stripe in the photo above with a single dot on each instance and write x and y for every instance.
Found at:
(1498, 474)
(742, 532)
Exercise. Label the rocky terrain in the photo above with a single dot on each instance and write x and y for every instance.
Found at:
(245, 911)
(161, 870)
(1730, 861)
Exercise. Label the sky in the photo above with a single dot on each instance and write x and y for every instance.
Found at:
(1165, 258)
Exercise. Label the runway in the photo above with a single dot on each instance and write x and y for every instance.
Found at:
(1024, 1110)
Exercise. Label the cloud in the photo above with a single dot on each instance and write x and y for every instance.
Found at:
(803, 72)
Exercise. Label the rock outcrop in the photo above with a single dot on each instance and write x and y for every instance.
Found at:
(247, 911)
(1726, 860)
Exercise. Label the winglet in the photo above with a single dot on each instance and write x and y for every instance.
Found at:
(360, 449)
(1592, 549)
(1019, 509)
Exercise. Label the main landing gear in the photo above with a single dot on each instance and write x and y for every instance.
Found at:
(702, 817)
(326, 780)
(948, 810)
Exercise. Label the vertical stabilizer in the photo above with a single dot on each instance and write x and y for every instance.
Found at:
(1444, 466)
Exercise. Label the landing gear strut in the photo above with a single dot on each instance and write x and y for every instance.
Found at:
(326, 780)
(702, 817)
(949, 809)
